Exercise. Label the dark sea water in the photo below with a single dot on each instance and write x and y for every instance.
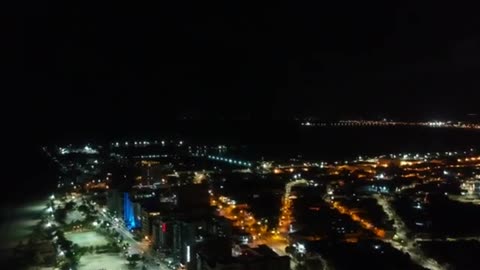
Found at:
(287, 140)
(348, 142)
(18, 220)
(27, 181)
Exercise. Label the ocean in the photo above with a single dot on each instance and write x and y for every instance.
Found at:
(285, 140)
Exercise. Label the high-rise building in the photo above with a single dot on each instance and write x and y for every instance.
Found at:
(220, 227)
(129, 214)
(149, 212)
(186, 234)
(115, 202)
(162, 233)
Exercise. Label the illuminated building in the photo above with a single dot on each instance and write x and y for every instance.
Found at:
(128, 213)
(162, 233)
(471, 188)
(187, 233)
(151, 211)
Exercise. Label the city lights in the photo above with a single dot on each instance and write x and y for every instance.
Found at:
(140, 198)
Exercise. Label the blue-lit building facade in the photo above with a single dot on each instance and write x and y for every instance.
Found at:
(129, 214)
(121, 205)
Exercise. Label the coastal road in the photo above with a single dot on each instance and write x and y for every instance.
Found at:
(136, 247)
(139, 247)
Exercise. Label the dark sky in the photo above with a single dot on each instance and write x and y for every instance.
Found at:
(105, 63)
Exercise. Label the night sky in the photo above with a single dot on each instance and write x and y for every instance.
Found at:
(109, 64)
(109, 68)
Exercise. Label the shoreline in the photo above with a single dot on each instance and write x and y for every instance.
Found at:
(17, 223)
